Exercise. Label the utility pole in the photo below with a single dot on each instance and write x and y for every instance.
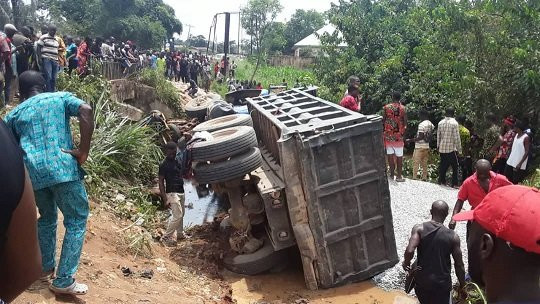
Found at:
(226, 41)
(238, 42)
(189, 26)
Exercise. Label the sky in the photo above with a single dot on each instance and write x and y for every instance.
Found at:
(199, 14)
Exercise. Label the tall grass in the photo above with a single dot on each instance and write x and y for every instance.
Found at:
(274, 75)
(123, 155)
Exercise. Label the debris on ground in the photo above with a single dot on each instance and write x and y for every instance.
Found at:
(203, 251)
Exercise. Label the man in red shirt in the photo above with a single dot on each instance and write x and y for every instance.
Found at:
(395, 124)
(477, 186)
(350, 101)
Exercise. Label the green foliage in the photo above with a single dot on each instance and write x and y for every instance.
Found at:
(477, 56)
(121, 153)
(534, 179)
(274, 75)
(302, 24)
(147, 22)
(275, 40)
(165, 90)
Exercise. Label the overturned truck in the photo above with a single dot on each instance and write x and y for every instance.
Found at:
(313, 175)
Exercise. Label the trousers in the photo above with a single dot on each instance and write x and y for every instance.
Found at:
(420, 158)
(447, 160)
(50, 72)
(176, 220)
(71, 199)
(432, 295)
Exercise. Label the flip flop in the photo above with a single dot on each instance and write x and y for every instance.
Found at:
(75, 289)
(400, 180)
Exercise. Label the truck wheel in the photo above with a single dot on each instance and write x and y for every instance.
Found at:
(225, 122)
(226, 143)
(236, 166)
(196, 108)
(262, 260)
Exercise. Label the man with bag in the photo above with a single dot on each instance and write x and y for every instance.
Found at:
(435, 244)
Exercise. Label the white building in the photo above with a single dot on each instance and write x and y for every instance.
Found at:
(313, 43)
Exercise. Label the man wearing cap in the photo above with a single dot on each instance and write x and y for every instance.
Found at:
(435, 244)
(504, 244)
(477, 186)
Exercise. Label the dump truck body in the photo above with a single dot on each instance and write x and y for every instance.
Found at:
(330, 164)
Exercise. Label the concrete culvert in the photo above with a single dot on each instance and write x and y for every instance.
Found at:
(225, 143)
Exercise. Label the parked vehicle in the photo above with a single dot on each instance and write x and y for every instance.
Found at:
(313, 175)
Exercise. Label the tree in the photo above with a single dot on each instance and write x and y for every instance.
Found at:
(150, 23)
(477, 56)
(302, 24)
(257, 16)
(197, 41)
(275, 40)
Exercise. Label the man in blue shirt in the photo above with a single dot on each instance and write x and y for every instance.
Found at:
(41, 126)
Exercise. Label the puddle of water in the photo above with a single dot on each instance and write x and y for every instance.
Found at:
(205, 207)
(287, 287)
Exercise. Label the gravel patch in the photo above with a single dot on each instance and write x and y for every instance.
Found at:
(411, 203)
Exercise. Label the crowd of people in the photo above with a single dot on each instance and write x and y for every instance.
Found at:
(506, 143)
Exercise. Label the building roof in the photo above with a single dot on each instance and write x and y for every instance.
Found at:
(313, 40)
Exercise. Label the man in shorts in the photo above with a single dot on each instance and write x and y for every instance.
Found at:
(395, 124)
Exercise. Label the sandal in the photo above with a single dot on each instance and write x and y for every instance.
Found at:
(400, 180)
(75, 289)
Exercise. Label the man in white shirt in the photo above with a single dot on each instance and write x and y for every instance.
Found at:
(421, 146)
(449, 145)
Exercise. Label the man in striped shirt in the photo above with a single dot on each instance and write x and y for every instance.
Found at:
(47, 51)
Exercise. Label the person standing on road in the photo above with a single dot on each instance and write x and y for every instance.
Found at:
(465, 159)
(47, 51)
(171, 189)
(435, 244)
(516, 165)
(503, 246)
(449, 145)
(476, 187)
(395, 124)
(350, 101)
(504, 145)
(491, 136)
(421, 144)
(41, 124)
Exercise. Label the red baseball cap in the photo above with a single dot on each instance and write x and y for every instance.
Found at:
(512, 213)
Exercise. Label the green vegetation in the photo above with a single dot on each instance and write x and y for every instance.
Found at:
(268, 75)
(123, 156)
(147, 22)
(477, 56)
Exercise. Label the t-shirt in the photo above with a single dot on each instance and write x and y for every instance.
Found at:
(394, 127)
(474, 193)
(41, 126)
(49, 47)
(172, 172)
(465, 137)
(349, 102)
(427, 128)
(11, 179)
(490, 138)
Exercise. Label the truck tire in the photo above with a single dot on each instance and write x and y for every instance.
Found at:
(235, 167)
(196, 108)
(262, 260)
(225, 122)
(226, 143)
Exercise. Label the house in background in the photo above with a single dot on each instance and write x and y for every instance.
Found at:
(311, 45)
